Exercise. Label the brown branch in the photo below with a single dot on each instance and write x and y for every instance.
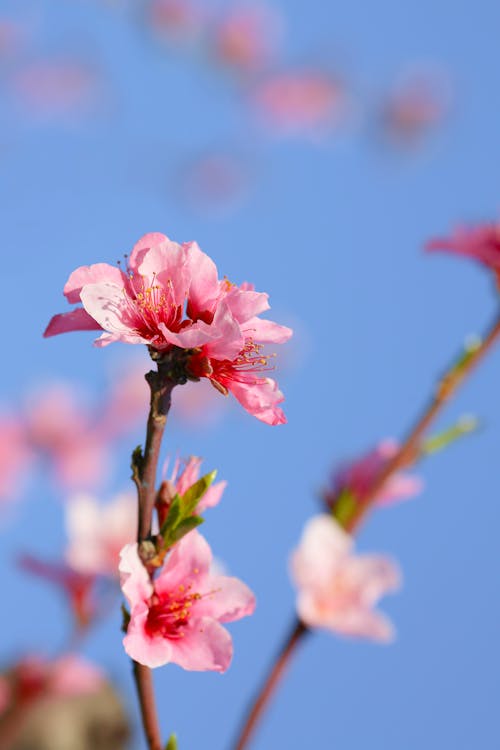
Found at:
(144, 468)
(270, 684)
(410, 449)
(407, 454)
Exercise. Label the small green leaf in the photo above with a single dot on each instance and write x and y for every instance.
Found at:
(441, 440)
(184, 527)
(173, 516)
(172, 743)
(193, 495)
(344, 507)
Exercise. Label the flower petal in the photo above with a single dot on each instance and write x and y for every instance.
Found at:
(206, 646)
(75, 320)
(266, 331)
(204, 287)
(152, 651)
(260, 397)
(188, 562)
(94, 274)
(231, 599)
(134, 578)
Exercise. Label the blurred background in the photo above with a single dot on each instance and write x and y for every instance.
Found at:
(311, 148)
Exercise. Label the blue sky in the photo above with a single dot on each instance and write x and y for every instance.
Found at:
(334, 231)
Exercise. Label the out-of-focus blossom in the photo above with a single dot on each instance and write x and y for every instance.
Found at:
(175, 20)
(357, 478)
(219, 322)
(15, 457)
(247, 37)
(97, 532)
(417, 105)
(481, 243)
(184, 475)
(337, 589)
(76, 439)
(35, 675)
(214, 183)
(56, 87)
(177, 617)
(310, 102)
(79, 589)
(11, 38)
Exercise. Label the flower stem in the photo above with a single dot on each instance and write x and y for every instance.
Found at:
(409, 451)
(270, 684)
(144, 468)
(407, 454)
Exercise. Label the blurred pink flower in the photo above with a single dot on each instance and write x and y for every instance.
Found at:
(15, 457)
(357, 478)
(97, 532)
(247, 37)
(184, 474)
(177, 617)
(481, 243)
(338, 590)
(146, 306)
(78, 588)
(176, 20)
(56, 87)
(302, 101)
(418, 104)
(35, 676)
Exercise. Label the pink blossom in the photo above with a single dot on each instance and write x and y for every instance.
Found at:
(418, 103)
(247, 37)
(338, 590)
(177, 20)
(15, 456)
(481, 242)
(97, 533)
(357, 478)
(34, 676)
(300, 101)
(177, 617)
(171, 298)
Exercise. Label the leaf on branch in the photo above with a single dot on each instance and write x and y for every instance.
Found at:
(193, 495)
(441, 440)
(344, 507)
(172, 743)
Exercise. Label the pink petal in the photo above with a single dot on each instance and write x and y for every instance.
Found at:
(204, 287)
(206, 646)
(107, 304)
(362, 623)
(244, 305)
(199, 334)
(152, 651)
(323, 547)
(228, 339)
(260, 398)
(72, 675)
(134, 578)
(266, 331)
(146, 242)
(188, 562)
(165, 263)
(189, 476)
(231, 600)
(94, 274)
(75, 320)
(212, 497)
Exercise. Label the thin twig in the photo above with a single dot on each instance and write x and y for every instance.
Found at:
(144, 468)
(270, 684)
(407, 454)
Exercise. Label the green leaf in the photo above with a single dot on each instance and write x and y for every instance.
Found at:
(184, 527)
(193, 495)
(173, 516)
(172, 743)
(441, 440)
(344, 507)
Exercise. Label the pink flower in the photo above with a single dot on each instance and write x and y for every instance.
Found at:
(481, 242)
(180, 481)
(338, 590)
(35, 676)
(171, 299)
(247, 37)
(177, 617)
(302, 101)
(15, 455)
(357, 478)
(98, 532)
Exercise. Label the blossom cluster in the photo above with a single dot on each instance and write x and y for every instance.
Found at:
(171, 299)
